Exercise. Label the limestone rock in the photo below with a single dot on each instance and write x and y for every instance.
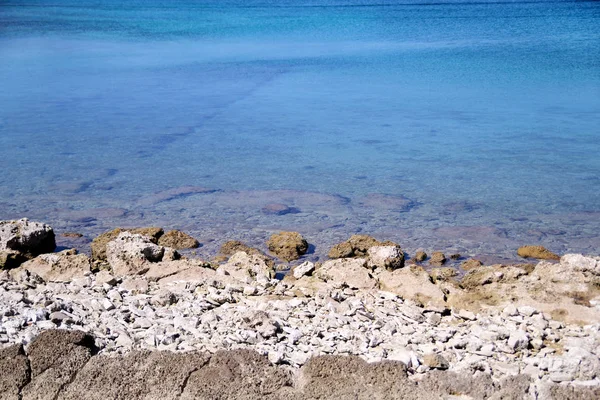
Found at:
(412, 283)
(288, 246)
(11, 259)
(437, 258)
(388, 257)
(538, 252)
(436, 361)
(356, 246)
(59, 267)
(98, 245)
(131, 254)
(247, 268)
(178, 240)
(346, 271)
(582, 263)
(443, 274)
(306, 268)
(26, 238)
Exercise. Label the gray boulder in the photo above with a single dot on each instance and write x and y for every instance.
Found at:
(23, 239)
(131, 254)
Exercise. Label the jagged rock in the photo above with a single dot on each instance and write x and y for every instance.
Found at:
(388, 257)
(436, 361)
(538, 252)
(582, 263)
(59, 267)
(24, 239)
(356, 246)
(346, 272)
(98, 245)
(420, 256)
(247, 268)
(178, 240)
(443, 274)
(412, 283)
(471, 264)
(288, 246)
(306, 268)
(131, 254)
(437, 258)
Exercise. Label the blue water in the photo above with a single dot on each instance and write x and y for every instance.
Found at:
(478, 121)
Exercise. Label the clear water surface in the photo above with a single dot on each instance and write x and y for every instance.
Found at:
(454, 125)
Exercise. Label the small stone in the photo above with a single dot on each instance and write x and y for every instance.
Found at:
(518, 340)
(107, 304)
(437, 258)
(436, 361)
(468, 315)
(59, 317)
(510, 310)
(420, 256)
(306, 268)
(178, 240)
(526, 311)
(471, 264)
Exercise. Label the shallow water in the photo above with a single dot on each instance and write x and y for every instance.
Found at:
(479, 122)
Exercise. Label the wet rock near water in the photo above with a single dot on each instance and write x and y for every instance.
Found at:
(356, 246)
(178, 240)
(287, 246)
(539, 252)
(99, 243)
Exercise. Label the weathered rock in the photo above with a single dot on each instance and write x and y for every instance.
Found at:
(437, 258)
(443, 274)
(98, 245)
(178, 240)
(27, 238)
(538, 252)
(131, 254)
(390, 202)
(55, 358)
(582, 263)
(471, 264)
(388, 257)
(288, 246)
(306, 268)
(356, 246)
(436, 361)
(420, 256)
(59, 267)
(14, 371)
(247, 268)
(11, 259)
(346, 272)
(412, 283)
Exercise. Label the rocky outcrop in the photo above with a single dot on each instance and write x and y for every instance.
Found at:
(352, 273)
(356, 246)
(388, 257)
(99, 243)
(178, 240)
(23, 239)
(539, 252)
(59, 267)
(437, 258)
(287, 246)
(471, 264)
(247, 268)
(420, 256)
(412, 283)
(131, 254)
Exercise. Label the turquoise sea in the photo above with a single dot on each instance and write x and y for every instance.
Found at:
(463, 126)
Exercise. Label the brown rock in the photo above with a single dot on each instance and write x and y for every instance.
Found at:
(71, 235)
(471, 264)
(437, 258)
(288, 246)
(99, 244)
(436, 361)
(178, 240)
(538, 252)
(132, 254)
(455, 256)
(443, 274)
(11, 259)
(420, 256)
(14, 371)
(247, 268)
(357, 246)
(58, 267)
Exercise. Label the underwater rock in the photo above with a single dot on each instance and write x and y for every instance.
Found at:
(539, 252)
(288, 246)
(174, 193)
(278, 209)
(387, 202)
(178, 240)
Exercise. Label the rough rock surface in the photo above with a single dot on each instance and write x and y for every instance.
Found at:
(98, 245)
(131, 254)
(178, 240)
(437, 258)
(287, 246)
(58, 267)
(471, 264)
(414, 283)
(356, 246)
(539, 252)
(247, 267)
(23, 239)
(351, 273)
(420, 256)
(388, 257)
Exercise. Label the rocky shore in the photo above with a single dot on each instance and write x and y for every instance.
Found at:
(138, 320)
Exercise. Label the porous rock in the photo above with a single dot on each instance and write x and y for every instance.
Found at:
(388, 257)
(131, 254)
(25, 238)
(471, 264)
(539, 252)
(356, 246)
(178, 240)
(346, 272)
(98, 245)
(288, 246)
(247, 268)
(420, 256)
(59, 267)
(437, 258)
(412, 283)
(14, 371)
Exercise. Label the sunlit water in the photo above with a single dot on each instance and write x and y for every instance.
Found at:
(468, 127)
